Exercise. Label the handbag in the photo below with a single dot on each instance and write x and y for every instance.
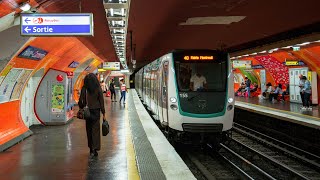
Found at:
(105, 128)
(85, 112)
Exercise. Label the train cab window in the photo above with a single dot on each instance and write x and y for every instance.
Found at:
(201, 76)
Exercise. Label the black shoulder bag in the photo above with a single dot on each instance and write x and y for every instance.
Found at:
(85, 112)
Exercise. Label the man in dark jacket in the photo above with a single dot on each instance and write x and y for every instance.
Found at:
(113, 92)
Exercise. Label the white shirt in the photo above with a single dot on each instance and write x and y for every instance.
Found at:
(198, 82)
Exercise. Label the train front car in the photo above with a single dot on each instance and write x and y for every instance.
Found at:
(201, 101)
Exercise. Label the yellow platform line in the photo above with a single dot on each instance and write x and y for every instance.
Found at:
(283, 111)
(133, 173)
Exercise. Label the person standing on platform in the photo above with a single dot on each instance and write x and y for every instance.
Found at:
(306, 91)
(123, 89)
(248, 84)
(301, 85)
(92, 96)
(113, 91)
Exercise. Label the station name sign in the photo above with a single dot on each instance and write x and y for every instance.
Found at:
(187, 58)
(70, 24)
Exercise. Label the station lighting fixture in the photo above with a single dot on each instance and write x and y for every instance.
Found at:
(117, 15)
(303, 44)
(25, 7)
(294, 48)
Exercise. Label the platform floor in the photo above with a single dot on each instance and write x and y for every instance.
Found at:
(284, 110)
(131, 150)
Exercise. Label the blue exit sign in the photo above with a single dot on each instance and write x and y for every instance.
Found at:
(57, 24)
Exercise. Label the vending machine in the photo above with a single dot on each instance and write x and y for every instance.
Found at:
(53, 99)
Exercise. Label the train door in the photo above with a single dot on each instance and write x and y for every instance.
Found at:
(263, 80)
(164, 92)
(294, 83)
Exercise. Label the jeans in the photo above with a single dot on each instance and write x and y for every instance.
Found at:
(248, 90)
(123, 95)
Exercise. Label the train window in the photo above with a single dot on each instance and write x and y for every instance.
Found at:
(201, 76)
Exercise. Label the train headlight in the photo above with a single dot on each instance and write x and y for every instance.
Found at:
(173, 107)
(229, 107)
(230, 100)
(173, 100)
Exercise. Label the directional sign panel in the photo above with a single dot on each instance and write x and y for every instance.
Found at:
(57, 24)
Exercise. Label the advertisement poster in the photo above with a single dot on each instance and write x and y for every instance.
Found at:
(8, 84)
(33, 53)
(57, 101)
(20, 84)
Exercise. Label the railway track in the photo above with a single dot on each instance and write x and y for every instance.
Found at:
(263, 157)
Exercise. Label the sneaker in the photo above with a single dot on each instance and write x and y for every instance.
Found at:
(310, 108)
(303, 108)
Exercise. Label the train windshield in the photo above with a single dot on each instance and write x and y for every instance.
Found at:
(202, 84)
(201, 76)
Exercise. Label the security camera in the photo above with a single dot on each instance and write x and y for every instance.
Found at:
(34, 10)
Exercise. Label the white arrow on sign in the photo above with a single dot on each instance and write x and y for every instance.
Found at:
(27, 29)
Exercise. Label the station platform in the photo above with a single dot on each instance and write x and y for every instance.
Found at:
(286, 111)
(134, 149)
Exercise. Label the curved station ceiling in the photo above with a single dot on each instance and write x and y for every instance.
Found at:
(161, 26)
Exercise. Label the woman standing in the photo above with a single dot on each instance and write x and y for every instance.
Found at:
(92, 96)
(123, 89)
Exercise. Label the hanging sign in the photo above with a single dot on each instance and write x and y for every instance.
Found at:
(241, 64)
(294, 63)
(70, 24)
(111, 65)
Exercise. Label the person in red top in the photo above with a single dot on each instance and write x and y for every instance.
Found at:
(123, 89)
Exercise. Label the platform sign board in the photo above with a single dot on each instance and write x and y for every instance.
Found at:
(111, 65)
(70, 24)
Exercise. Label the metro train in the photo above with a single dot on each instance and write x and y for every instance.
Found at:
(189, 93)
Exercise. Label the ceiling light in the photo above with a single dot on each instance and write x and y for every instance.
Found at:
(232, 58)
(111, 11)
(246, 55)
(287, 47)
(317, 41)
(25, 7)
(213, 20)
(122, 11)
(263, 51)
(238, 56)
(253, 54)
(302, 44)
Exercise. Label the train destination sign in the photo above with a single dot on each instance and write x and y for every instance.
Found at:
(187, 58)
(70, 24)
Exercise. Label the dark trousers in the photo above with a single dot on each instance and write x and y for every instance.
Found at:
(113, 95)
(307, 102)
(302, 98)
(123, 95)
(273, 95)
(283, 94)
(93, 129)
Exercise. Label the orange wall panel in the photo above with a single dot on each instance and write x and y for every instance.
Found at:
(11, 123)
